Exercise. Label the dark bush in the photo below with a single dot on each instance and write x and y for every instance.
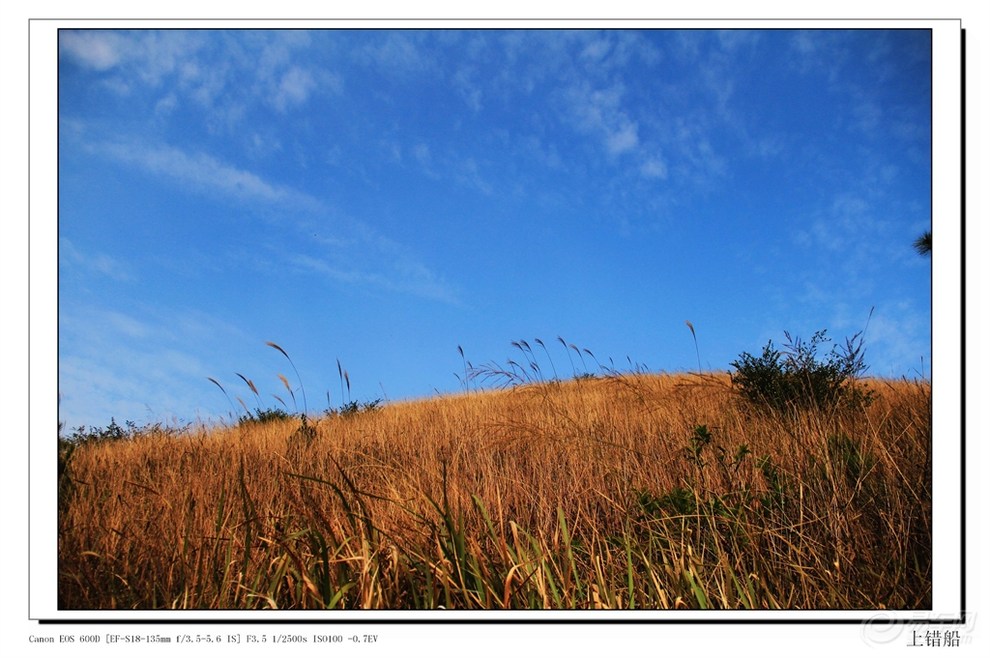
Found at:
(265, 416)
(112, 432)
(353, 407)
(794, 377)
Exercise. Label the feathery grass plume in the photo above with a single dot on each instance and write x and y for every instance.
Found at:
(589, 353)
(521, 376)
(552, 366)
(301, 387)
(248, 382)
(637, 368)
(252, 387)
(562, 342)
(224, 394)
(584, 366)
(285, 383)
(695, 337)
(534, 365)
(246, 410)
(464, 382)
(524, 348)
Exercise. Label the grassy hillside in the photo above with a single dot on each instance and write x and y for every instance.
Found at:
(636, 491)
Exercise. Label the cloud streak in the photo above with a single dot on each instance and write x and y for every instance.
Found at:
(97, 50)
(204, 172)
(420, 282)
(98, 263)
(227, 77)
(139, 364)
(387, 265)
(361, 255)
(599, 112)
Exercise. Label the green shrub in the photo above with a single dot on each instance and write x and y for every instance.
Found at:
(795, 378)
(264, 416)
(679, 501)
(65, 451)
(353, 407)
(856, 462)
(112, 432)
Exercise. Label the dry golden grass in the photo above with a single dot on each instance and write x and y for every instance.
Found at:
(594, 493)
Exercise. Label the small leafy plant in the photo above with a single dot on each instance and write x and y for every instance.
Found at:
(856, 461)
(794, 377)
(112, 432)
(353, 407)
(266, 416)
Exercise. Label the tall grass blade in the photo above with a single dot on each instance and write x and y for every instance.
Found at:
(298, 378)
(695, 337)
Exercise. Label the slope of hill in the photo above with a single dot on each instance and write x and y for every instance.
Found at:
(639, 491)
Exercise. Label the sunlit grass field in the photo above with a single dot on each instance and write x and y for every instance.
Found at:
(626, 491)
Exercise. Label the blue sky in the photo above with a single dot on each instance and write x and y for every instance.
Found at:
(383, 197)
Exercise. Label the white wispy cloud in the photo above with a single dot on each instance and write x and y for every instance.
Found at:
(868, 116)
(625, 137)
(397, 53)
(384, 263)
(147, 57)
(545, 153)
(820, 51)
(366, 255)
(145, 365)
(98, 50)
(733, 40)
(897, 336)
(421, 152)
(847, 247)
(654, 168)
(469, 174)
(605, 53)
(465, 81)
(295, 87)
(407, 277)
(98, 262)
(851, 233)
(447, 164)
(123, 324)
(596, 50)
(687, 120)
(599, 111)
(204, 172)
(224, 77)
